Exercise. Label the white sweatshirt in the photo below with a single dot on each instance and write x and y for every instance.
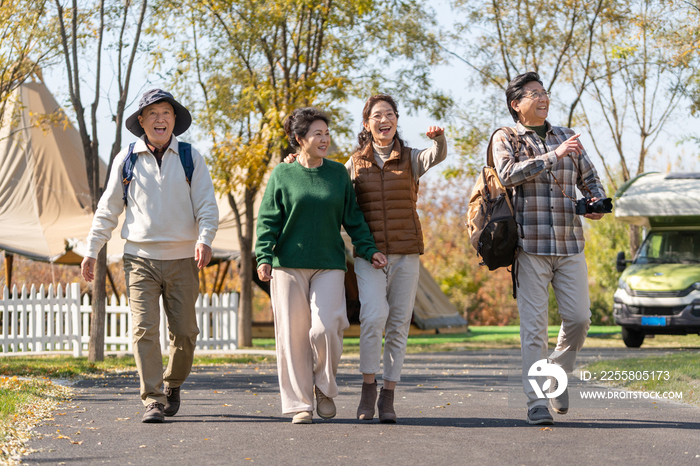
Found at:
(165, 217)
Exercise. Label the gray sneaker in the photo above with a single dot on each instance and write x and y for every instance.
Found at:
(539, 415)
(560, 404)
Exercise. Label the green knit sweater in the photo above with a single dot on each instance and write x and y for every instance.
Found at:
(300, 217)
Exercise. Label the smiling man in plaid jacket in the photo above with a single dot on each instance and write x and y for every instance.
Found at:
(549, 166)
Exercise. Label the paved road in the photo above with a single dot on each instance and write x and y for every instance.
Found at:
(454, 408)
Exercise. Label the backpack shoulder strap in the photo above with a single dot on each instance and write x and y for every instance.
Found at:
(185, 150)
(512, 136)
(128, 169)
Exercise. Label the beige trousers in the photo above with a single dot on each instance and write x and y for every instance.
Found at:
(177, 281)
(386, 306)
(569, 278)
(310, 317)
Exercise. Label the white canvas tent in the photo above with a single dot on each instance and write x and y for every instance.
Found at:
(653, 199)
(44, 194)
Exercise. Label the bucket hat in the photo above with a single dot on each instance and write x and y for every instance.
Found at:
(183, 118)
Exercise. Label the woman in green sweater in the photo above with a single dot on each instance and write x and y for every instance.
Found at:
(300, 249)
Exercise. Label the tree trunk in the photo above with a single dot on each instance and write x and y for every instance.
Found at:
(245, 308)
(8, 270)
(635, 239)
(245, 240)
(96, 346)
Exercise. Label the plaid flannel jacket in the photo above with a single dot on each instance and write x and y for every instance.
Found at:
(549, 223)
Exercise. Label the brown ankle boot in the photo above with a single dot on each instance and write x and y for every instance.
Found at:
(365, 412)
(385, 406)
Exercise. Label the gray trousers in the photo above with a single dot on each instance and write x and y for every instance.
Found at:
(386, 298)
(569, 278)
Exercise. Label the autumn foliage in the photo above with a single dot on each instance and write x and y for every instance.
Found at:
(485, 297)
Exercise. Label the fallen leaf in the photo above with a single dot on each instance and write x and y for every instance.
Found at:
(76, 442)
(546, 429)
(227, 405)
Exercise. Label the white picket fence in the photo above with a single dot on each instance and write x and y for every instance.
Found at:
(49, 320)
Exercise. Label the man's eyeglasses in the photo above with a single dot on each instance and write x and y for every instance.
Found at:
(537, 95)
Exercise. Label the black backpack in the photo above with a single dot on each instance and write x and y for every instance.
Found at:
(493, 231)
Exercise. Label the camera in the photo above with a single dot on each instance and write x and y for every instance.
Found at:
(588, 206)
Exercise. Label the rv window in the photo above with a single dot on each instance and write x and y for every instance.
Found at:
(670, 247)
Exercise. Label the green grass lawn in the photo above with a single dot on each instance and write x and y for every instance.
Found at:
(15, 392)
(490, 337)
(23, 404)
(683, 373)
(484, 337)
(68, 367)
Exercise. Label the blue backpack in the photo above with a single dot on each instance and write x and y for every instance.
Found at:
(185, 151)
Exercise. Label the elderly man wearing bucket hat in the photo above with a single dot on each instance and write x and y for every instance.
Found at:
(171, 220)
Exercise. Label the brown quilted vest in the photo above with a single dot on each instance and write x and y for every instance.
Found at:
(387, 197)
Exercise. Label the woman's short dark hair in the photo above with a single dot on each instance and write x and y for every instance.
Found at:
(515, 89)
(365, 137)
(297, 124)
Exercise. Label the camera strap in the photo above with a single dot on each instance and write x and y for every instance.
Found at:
(580, 175)
(562, 189)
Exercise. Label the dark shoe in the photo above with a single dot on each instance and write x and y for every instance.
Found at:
(385, 406)
(365, 412)
(173, 404)
(560, 404)
(539, 415)
(154, 413)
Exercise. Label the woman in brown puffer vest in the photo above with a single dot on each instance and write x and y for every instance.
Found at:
(385, 175)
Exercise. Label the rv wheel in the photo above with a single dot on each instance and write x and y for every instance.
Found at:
(632, 338)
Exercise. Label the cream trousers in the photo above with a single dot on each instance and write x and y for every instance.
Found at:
(386, 306)
(569, 278)
(310, 317)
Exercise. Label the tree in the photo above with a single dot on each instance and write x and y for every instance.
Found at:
(25, 43)
(254, 61)
(86, 24)
(620, 69)
(646, 61)
(553, 38)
